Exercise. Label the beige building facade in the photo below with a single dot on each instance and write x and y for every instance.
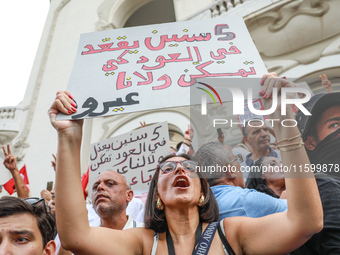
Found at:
(299, 39)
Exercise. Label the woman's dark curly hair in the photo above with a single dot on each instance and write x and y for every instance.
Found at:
(255, 180)
(155, 219)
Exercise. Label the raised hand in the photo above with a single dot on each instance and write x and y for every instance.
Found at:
(45, 194)
(10, 161)
(326, 83)
(142, 123)
(189, 133)
(64, 103)
(270, 81)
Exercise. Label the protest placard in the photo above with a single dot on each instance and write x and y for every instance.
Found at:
(135, 155)
(151, 67)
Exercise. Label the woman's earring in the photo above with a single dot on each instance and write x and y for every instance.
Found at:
(160, 205)
(201, 200)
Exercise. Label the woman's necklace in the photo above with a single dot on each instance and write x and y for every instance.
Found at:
(171, 248)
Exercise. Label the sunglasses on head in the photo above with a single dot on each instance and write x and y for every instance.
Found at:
(35, 201)
(169, 166)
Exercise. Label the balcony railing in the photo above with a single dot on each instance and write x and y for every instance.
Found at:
(7, 113)
(217, 8)
(9, 123)
(234, 7)
(221, 7)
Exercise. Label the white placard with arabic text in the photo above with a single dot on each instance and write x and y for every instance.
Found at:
(135, 155)
(151, 67)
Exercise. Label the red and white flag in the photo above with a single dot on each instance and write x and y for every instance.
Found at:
(10, 185)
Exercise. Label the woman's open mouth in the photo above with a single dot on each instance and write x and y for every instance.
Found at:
(181, 182)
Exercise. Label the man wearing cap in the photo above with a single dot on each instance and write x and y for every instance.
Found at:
(320, 131)
(321, 135)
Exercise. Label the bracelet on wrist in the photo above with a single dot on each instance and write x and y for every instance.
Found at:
(291, 146)
(288, 139)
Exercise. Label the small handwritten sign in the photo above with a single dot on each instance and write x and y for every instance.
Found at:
(135, 155)
(151, 67)
(248, 115)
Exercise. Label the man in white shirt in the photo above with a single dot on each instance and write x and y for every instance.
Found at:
(111, 195)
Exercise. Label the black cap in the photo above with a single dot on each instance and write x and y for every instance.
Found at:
(316, 106)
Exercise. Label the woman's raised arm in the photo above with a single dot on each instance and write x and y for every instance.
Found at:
(71, 214)
(281, 233)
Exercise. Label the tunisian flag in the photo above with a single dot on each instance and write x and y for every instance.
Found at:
(85, 181)
(10, 185)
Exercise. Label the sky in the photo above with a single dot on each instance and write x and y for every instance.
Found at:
(21, 26)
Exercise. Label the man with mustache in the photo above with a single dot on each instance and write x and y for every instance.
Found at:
(111, 195)
(257, 135)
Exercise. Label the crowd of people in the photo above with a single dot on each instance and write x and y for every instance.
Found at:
(189, 210)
